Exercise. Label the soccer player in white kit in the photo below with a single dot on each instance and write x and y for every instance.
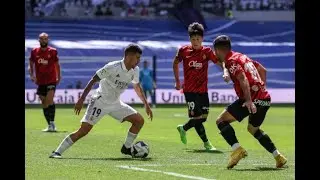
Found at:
(114, 79)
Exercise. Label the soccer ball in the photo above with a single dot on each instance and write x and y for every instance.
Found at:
(140, 150)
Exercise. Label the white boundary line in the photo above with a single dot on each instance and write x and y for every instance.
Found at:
(164, 172)
(197, 164)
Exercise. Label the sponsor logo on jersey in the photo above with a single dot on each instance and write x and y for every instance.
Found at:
(261, 102)
(195, 64)
(204, 57)
(205, 108)
(121, 85)
(43, 61)
(50, 87)
(233, 68)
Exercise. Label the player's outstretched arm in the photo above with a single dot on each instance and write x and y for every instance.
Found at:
(244, 84)
(137, 88)
(86, 91)
(221, 64)
(226, 75)
(31, 71)
(57, 64)
(175, 67)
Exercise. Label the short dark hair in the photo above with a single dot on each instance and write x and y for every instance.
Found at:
(222, 41)
(195, 29)
(132, 48)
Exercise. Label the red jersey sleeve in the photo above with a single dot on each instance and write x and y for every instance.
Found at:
(179, 55)
(211, 56)
(256, 63)
(234, 68)
(55, 55)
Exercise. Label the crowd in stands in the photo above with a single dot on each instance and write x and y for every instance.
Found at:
(141, 8)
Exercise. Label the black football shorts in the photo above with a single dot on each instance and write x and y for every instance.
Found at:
(198, 103)
(44, 89)
(239, 112)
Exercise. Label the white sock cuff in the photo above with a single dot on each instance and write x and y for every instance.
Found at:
(275, 153)
(69, 140)
(132, 134)
(235, 146)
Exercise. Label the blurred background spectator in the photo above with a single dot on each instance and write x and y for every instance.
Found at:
(145, 8)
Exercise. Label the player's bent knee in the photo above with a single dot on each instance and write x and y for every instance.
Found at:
(84, 129)
(49, 102)
(44, 102)
(252, 130)
(139, 121)
(135, 119)
(225, 116)
(49, 98)
(220, 119)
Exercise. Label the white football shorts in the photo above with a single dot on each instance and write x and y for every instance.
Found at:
(99, 107)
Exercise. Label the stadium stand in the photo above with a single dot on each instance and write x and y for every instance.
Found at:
(85, 45)
(143, 8)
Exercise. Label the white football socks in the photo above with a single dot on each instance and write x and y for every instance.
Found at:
(235, 146)
(64, 145)
(275, 153)
(130, 138)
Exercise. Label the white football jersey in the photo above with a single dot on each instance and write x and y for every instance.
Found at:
(115, 78)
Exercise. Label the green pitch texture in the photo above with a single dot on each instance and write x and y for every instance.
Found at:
(97, 156)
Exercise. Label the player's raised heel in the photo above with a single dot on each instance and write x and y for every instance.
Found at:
(280, 161)
(208, 146)
(126, 151)
(182, 133)
(236, 156)
(55, 155)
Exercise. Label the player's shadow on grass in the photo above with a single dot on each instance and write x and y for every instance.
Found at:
(204, 151)
(261, 169)
(113, 159)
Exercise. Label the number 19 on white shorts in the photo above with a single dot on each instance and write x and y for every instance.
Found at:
(98, 108)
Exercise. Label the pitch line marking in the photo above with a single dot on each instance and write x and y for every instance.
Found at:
(164, 172)
(196, 164)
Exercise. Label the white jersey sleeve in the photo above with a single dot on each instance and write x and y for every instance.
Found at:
(105, 71)
(136, 75)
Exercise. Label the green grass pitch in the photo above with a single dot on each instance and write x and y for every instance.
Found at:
(97, 156)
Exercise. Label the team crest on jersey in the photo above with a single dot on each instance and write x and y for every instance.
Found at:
(204, 57)
(49, 56)
(255, 88)
(191, 113)
(132, 77)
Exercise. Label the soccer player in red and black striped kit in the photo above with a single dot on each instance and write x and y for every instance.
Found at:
(249, 78)
(44, 69)
(195, 59)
